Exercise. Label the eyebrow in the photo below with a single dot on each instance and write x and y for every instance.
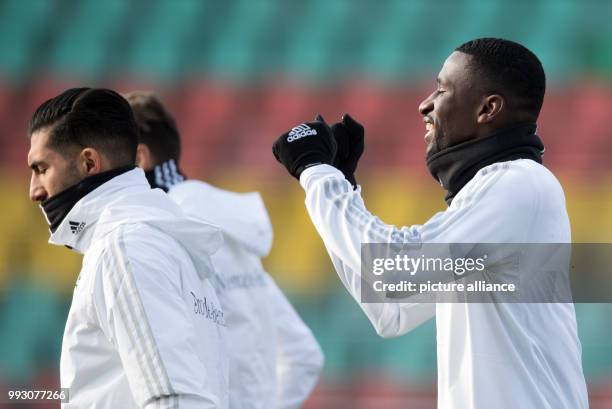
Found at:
(36, 164)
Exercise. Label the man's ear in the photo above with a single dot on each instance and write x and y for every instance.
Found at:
(143, 157)
(491, 108)
(91, 162)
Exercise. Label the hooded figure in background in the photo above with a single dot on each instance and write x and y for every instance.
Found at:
(275, 360)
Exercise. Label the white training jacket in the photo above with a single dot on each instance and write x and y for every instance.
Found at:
(274, 359)
(145, 328)
(502, 356)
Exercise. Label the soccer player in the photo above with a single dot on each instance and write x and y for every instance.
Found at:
(482, 148)
(274, 359)
(145, 328)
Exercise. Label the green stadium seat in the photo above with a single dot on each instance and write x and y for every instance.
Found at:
(595, 332)
(593, 33)
(315, 40)
(21, 26)
(246, 43)
(87, 43)
(556, 43)
(31, 326)
(161, 35)
(399, 46)
(311, 50)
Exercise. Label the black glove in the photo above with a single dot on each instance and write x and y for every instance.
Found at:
(349, 136)
(308, 144)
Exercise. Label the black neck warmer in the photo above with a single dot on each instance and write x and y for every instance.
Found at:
(57, 207)
(165, 175)
(453, 167)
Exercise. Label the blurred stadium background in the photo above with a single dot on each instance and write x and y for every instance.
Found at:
(238, 73)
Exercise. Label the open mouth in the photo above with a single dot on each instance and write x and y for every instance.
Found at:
(429, 126)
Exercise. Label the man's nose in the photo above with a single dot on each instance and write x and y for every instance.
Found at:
(426, 106)
(37, 191)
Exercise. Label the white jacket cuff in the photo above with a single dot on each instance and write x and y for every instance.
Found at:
(317, 172)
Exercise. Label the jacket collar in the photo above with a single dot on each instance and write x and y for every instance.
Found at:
(455, 166)
(78, 227)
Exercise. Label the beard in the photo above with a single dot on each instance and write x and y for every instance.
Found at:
(434, 146)
(69, 177)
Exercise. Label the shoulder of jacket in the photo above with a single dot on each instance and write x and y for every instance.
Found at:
(142, 244)
(190, 187)
(133, 236)
(516, 182)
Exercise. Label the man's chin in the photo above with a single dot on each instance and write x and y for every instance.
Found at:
(431, 149)
(430, 143)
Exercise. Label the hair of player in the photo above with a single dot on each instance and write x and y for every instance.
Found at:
(156, 125)
(99, 118)
(510, 69)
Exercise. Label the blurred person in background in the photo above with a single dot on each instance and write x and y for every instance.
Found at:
(145, 328)
(483, 150)
(274, 359)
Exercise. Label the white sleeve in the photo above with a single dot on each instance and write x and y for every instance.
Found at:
(143, 314)
(343, 222)
(299, 357)
(390, 319)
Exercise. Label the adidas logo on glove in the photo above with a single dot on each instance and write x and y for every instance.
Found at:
(299, 132)
(296, 150)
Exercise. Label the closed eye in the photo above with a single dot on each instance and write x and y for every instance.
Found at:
(38, 169)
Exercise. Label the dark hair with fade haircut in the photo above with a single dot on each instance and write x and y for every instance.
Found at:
(89, 117)
(156, 126)
(511, 69)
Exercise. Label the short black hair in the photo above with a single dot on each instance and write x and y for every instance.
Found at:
(156, 126)
(511, 69)
(89, 117)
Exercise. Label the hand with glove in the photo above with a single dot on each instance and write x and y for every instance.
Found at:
(349, 136)
(308, 144)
